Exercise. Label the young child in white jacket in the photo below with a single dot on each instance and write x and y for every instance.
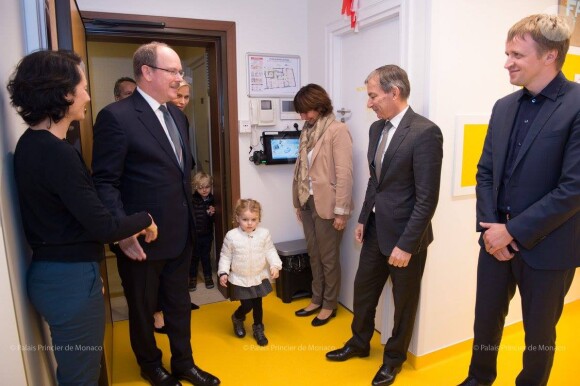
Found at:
(248, 260)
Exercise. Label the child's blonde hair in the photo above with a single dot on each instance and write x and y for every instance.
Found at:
(247, 204)
(199, 178)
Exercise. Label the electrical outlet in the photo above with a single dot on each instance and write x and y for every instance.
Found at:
(245, 127)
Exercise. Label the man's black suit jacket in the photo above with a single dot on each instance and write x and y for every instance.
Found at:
(545, 182)
(135, 169)
(406, 195)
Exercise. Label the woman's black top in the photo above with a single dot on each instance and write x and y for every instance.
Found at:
(63, 218)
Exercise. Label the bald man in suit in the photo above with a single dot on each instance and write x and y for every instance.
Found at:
(142, 161)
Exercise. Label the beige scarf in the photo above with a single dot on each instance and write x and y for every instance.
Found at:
(308, 139)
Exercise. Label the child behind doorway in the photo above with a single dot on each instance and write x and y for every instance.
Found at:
(204, 210)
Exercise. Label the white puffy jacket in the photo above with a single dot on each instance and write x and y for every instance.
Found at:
(247, 257)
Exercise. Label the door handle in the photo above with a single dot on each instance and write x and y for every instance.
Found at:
(343, 112)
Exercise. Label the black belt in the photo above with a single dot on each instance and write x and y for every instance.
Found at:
(504, 216)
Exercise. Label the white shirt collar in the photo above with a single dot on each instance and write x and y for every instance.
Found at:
(399, 117)
(149, 99)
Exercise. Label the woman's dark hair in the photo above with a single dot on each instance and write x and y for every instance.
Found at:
(40, 84)
(312, 97)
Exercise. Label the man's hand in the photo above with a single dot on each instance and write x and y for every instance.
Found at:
(496, 237)
(359, 232)
(150, 232)
(339, 222)
(503, 254)
(399, 258)
(224, 280)
(130, 247)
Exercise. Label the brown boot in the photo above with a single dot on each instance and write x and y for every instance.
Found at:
(259, 334)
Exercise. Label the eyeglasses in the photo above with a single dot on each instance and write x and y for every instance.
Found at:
(172, 72)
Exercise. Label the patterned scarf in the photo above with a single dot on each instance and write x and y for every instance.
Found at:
(308, 138)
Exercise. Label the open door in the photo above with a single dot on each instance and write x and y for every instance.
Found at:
(70, 35)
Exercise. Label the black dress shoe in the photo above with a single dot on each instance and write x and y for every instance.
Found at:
(303, 312)
(158, 376)
(194, 306)
(386, 375)
(316, 322)
(345, 353)
(470, 381)
(197, 377)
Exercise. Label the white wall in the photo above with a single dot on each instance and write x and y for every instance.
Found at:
(278, 28)
(20, 337)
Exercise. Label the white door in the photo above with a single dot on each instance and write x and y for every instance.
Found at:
(353, 55)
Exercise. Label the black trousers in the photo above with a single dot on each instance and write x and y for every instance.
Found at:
(542, 294)
(371, 276)
(142, 282)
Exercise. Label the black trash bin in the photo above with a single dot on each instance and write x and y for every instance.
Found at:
(295, 280)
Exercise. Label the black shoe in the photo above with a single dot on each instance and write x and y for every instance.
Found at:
(345, 353)
(158, 376)
(303, 312)
(471, 381)
(386, 375)
(259, 334)
(192, 284)
(197, 377)
(194, 306)
(209, 282)
(316, 322)
(239, 329)
(161, 330)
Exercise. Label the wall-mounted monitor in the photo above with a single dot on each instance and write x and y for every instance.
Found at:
(281, 147)
(287, 110)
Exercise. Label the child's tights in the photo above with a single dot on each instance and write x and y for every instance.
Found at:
(248, 305)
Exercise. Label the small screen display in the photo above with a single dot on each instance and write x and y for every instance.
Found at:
(285, 148)
(288, 106)
(281, 147)
(266, 104)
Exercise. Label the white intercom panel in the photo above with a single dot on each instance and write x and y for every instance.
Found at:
(263, 111)
(287, 111)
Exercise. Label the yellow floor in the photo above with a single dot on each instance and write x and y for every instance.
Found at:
(295, 355)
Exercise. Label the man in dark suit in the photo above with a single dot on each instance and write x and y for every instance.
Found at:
(141, 161)
(528, 201)
(405, 154)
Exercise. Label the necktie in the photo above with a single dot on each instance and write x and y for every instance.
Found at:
(173, 134)
(381, 149)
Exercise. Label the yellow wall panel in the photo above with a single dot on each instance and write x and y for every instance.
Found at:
(473, 137)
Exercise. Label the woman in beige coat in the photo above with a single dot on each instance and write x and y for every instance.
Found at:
(322, 195)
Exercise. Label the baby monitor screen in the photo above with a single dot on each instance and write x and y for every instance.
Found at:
(281, 147)
(285, 148)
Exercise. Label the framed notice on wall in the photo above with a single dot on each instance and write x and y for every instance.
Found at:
(272, 75)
